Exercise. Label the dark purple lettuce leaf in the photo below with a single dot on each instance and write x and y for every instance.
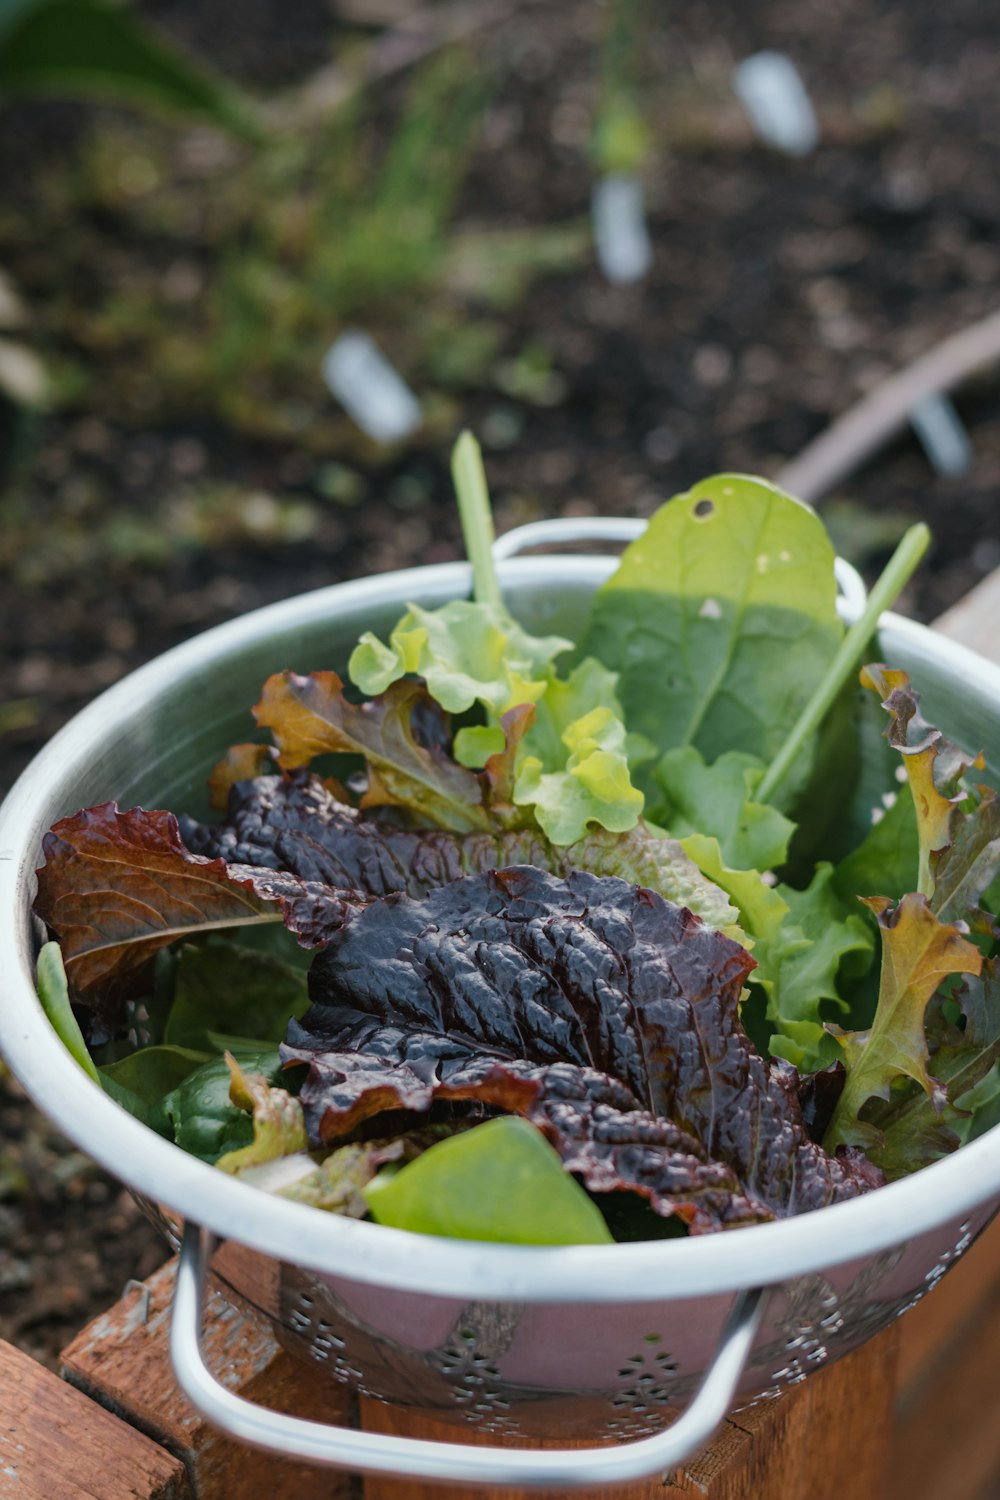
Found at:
(601, 1012)
(297, 823)
(117, 886)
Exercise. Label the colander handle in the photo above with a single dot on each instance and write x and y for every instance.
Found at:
(447, 1463)
(563, 530)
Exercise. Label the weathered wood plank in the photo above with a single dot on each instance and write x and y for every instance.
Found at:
(56, 1444)
(946, 1437)
(122, 1359)
(948, 1315)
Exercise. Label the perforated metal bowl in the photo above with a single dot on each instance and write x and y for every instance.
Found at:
(600, 1341)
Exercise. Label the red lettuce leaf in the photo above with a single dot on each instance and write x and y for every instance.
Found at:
(118, 886)
(601, 1012)
(403, 734)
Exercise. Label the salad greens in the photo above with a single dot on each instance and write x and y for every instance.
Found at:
(596, 926)
(532, 1200)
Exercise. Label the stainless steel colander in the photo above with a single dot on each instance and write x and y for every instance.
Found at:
(606, 1342)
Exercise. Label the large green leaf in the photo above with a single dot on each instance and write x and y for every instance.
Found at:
(501, 1181)
(84, 46)
(720, 620)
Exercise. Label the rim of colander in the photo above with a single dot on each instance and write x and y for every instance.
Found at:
(352, 1249)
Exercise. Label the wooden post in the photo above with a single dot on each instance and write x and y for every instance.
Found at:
(55, 1444)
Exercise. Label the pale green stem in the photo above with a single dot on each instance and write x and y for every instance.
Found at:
(925, 880)
(477, 520)
(895, 576)
(53, 992)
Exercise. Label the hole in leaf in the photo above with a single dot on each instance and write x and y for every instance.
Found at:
(703, 509)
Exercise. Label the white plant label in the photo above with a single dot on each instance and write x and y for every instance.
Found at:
(771, 90)
(370, 389)
(942, 435)
(621, 235)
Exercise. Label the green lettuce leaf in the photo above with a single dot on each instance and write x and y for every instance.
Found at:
(806, 972)
(222, 988)
(718, 800)
(800, 940)
(570, 763)
(595, 786)
(466, 652)
(501, 1181)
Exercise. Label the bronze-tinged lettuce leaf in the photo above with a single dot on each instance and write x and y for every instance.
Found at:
(278, 1126)
(898, 1102)
(958, 826)
(403, 735)
(963, 1040)
(597, 1010)
(296, 823)
(919, 952)
(118, 886)
(240, 763)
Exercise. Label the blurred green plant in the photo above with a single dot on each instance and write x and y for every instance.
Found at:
(95, 48)
(332, 235)
(98, 49)
(621, 139)
(262, 258)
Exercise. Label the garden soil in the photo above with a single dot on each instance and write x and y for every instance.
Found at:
(781, 291)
